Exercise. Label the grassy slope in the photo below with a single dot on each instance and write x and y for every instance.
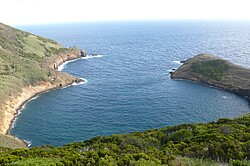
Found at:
(227, 140)
(6, 141)
(22, 57)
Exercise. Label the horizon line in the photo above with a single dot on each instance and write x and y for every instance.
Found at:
(128, 20)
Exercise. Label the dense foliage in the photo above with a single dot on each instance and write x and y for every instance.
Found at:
(214, 69)
(227, 140)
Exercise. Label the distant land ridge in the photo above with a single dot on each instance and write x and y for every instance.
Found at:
(28, 66)
(216, 72)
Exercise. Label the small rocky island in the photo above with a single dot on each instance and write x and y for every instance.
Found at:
(216, 72)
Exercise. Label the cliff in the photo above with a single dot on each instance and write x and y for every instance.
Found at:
(28, 66)
(217, 72)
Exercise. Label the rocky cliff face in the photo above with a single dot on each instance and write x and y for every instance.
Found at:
(59, 78)
(214, 71)
(54, 61)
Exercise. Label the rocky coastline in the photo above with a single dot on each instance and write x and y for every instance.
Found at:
(216, 72)
(58, 80)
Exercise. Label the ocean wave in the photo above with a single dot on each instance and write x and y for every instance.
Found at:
(63, 65)
(24, 105)
(80, 83)
(75, 83)
(178, 62)
(91, 56)
(29, 143)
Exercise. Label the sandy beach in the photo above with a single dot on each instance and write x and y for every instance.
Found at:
(12, 106)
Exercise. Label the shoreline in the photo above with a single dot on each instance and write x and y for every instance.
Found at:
(19, 111)
(14, 105)
(21, 106)
(213, 86)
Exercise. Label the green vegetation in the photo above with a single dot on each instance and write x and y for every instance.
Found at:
(224, 141)
(21, 59)
(214, 69)
(37, 162)
(37, 48)
(23, 62)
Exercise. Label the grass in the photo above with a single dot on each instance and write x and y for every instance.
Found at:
(17, 72)
(22, 63)
(214, 69)
(21, 56)
(6, 141)
(37, 47)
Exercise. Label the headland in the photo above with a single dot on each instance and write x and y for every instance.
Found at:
(215, 72)
(28, 67)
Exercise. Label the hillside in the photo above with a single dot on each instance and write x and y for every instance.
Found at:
(22, 56)
(214, 71)
(214, 143)
(27, 67)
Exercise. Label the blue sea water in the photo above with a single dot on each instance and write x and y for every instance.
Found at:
(128, 88)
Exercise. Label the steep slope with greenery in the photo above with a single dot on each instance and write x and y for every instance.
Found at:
(27, 60)
(21, 57)
(217, 72)
(227, 140)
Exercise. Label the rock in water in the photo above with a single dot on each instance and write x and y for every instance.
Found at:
(83, 53)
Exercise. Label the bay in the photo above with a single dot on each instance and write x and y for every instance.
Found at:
(128, 87)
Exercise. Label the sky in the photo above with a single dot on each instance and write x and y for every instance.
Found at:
(25, 12)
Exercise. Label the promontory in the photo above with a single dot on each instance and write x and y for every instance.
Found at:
(216, 72)
(28, 66)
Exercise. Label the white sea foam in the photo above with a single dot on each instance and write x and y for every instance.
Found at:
(20, 111)
(62, 66)
(75, 83)
(66, 86)
(80, 83)
(34, 98)
(178, 62)
(28, 143)
(97, 56)
(224, 97)
(91, 56)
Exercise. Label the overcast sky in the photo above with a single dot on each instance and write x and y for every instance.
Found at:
(20, 12)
